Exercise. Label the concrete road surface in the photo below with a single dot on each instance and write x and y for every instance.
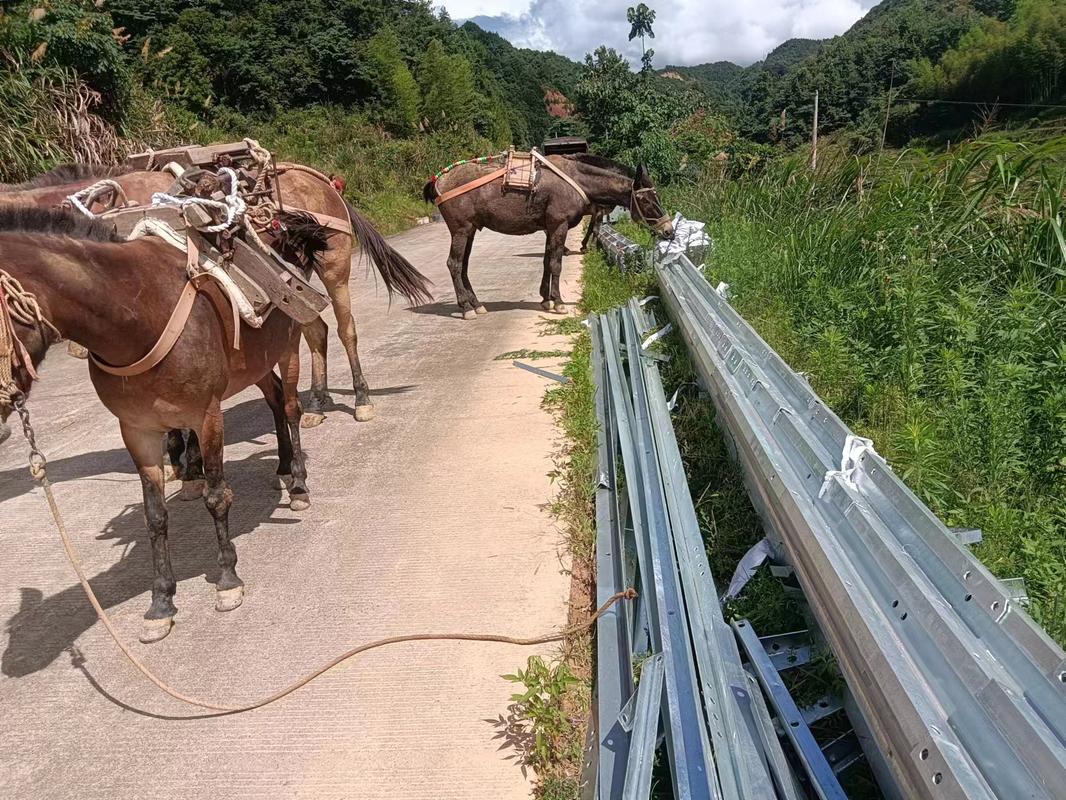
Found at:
(432, 517)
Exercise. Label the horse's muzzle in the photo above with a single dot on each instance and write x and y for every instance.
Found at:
(665, 229)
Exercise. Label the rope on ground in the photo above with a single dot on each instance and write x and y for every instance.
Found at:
(38, 470)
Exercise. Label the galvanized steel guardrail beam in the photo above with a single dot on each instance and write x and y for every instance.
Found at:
(963, 694)
(720, 742)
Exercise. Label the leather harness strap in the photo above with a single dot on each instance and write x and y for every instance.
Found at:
(562, 175)
(326, 221)
(334, 223)
(166, 341)
(469, 187)
(490, 177)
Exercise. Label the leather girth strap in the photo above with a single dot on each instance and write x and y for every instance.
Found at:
(164, 344)
(562, 175)
(469, 187)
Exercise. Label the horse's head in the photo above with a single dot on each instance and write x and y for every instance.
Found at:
(22, 348)
(644, 204)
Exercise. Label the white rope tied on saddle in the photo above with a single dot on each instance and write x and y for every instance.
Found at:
(854, 448)
(81, 200)
(233, 206)
(198, 264)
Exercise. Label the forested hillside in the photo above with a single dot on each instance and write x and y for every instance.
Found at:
(406, 89)
(1006, 52)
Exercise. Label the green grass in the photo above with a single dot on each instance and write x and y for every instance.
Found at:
(925, 298)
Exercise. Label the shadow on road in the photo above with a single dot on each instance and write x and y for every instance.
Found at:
(452, 310)
(45, 627)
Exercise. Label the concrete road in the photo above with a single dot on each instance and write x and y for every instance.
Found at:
(431, 517)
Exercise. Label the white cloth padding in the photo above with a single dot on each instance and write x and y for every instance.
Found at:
(689, 238)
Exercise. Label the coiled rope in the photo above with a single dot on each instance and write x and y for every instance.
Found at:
(38, 470)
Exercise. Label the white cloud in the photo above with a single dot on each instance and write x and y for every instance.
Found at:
(686, 31)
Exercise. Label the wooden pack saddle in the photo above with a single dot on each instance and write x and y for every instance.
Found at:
(521, 172)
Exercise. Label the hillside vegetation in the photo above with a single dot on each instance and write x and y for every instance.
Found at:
(383, 93)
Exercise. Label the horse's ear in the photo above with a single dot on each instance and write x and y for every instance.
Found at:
(643, 178)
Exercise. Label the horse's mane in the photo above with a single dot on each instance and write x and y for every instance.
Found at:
(55, 222)
(68, 173)
(601, 162)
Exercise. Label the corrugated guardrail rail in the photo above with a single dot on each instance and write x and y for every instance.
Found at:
(719, 740)
(961, 693)
(954, 690)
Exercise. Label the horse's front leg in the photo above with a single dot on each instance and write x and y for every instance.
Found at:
(229, 591)
(553, 264)
(289, 363)
(146, 449)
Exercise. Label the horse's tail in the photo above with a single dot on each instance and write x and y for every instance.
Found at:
(429, 191)
(398, 273)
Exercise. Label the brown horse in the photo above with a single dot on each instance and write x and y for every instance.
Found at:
(79, 274)
(554, 206)
(301, 189)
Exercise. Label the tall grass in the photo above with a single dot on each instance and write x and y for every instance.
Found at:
(925, 296)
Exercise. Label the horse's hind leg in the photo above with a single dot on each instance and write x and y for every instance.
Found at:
(342, 309)
(317, 334)
(275, 397)
(478, 307)
(229, 591)
(299, 497)
(146, 449)
(192, 473)
(457, 255)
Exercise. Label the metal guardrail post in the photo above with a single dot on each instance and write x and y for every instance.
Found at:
(823, 779)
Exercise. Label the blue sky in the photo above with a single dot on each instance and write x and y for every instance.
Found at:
(686, 31)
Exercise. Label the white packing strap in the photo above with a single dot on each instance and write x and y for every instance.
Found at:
(645, 300)
(854, 448)
(174, 168)
(659, 334)
(723, 290)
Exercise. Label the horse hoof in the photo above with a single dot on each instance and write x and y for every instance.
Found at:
(471, 314)
(76, 350)
(170, 474)
(229, 599)
(481, 310)
(282, 481)
(560, 308)
(364, 413)
(311, 419)
(546, 305)
(192, 490)
(155, 629)
(299, 501)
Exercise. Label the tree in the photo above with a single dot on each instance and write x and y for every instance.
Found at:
(449, 99)
(398, 90)
(640, 20)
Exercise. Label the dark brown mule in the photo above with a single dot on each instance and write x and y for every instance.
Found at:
(554, 207)
(85, 284)
(299, 189)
